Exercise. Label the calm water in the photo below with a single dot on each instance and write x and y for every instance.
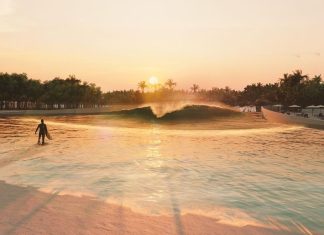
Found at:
(241, 170)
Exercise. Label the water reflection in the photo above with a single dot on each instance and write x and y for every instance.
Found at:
(270, 175)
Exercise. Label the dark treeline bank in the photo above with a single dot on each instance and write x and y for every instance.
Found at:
(17, 91)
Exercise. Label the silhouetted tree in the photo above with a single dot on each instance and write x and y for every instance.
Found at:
(142, 85)
(170, 84)
(194, 88)
(291, 86)
(19, 91)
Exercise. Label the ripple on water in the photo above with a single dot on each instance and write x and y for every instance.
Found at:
(273, 173)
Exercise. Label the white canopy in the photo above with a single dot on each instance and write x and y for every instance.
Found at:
(279, 105)
(294, 106)
(312, 107)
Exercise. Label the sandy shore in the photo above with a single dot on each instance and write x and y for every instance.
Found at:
(24, 210)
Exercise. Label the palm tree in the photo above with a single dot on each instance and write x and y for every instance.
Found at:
(142, 85)
(317, 79)
(170, 84)
(194, 88)
(291, 86)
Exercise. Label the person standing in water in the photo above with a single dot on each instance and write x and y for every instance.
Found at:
(42, 131)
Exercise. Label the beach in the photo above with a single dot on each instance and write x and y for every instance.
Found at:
(24, 210)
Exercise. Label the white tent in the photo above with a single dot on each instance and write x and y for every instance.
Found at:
(312, 107)
(320, 107)
(278, 107)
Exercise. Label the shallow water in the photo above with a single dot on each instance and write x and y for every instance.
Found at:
(242, 170)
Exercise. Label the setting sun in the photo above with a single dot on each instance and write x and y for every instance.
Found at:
(153, 81)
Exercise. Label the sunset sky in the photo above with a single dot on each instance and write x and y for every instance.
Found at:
(116, 44)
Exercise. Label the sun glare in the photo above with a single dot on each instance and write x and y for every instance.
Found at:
(153, 80)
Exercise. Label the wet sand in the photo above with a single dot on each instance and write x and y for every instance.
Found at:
(25, 210)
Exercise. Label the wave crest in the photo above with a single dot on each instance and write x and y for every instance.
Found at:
(186, 113)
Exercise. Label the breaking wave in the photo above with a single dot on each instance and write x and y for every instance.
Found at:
(186, 113)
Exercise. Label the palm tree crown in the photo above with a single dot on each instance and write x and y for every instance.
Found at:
(170, 84)
(142, 85)
(194, 88)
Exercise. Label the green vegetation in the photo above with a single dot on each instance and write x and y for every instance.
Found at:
(17, 91)
(294, 88)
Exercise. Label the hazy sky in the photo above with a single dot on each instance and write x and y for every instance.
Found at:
(116, 43)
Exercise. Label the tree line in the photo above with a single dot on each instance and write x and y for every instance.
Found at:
(294, 88)
(17, 91)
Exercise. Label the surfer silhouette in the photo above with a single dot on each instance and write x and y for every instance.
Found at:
(42, 131)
